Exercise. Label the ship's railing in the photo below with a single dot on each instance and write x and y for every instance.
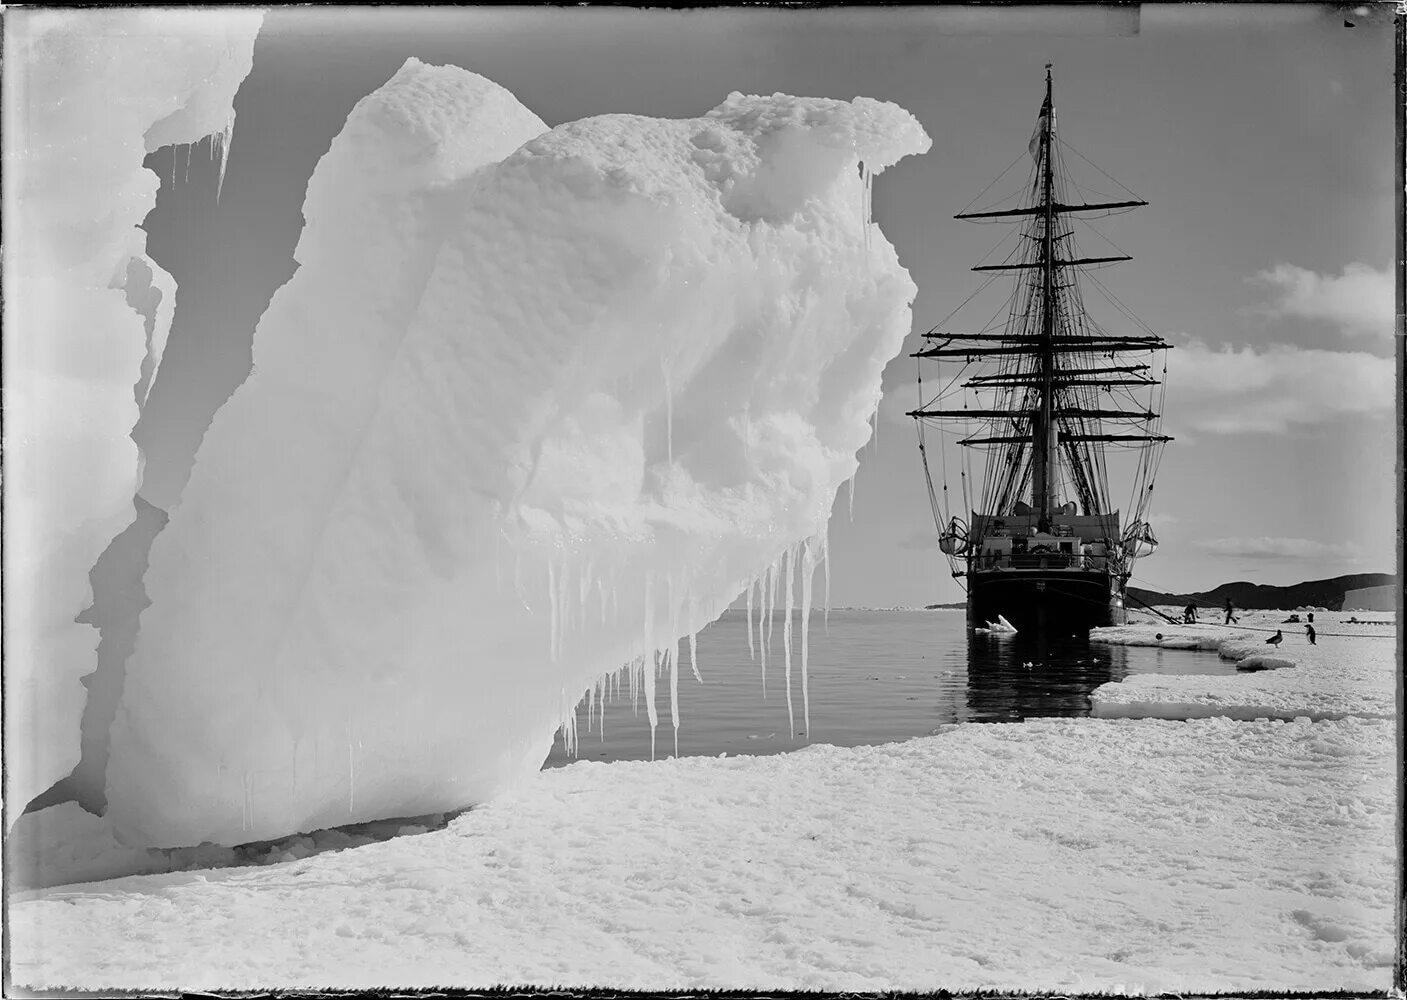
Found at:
(1040, 560)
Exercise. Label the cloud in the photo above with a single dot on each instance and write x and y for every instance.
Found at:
(1358, 302)
(1243, 390)
(1278, 549)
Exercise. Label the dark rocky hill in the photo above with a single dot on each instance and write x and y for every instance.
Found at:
(1327, 594)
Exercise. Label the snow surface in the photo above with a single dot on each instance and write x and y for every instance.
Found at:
(1350, 671)
(1073, 855)
(87, 95)
(520, 418)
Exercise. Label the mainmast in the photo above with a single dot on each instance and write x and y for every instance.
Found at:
(1043, 454)
(1052, 373)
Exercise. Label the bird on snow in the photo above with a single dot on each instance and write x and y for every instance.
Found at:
(1275, 639)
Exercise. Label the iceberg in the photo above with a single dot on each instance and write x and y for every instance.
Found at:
(86, 313)
(537, 404)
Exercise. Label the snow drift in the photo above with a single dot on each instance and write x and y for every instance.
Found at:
(535, 406)
(87, 94)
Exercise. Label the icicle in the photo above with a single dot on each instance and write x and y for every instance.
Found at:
(751, 649)
(186, 179)
(226, 138)
(771, 599)
(650, 712)
(850, 484)
(672, 661)
(808, 567)
(826, 567)
(764, 614)
(789, 568)
(694, 656)
(568, 727)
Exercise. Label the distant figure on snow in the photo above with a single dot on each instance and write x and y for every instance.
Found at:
(1275, 639)
(1292, 620)
(1189, 615)
(1309, 631)
(1230, 609)
(1311, 618)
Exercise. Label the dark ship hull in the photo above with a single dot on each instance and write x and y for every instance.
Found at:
(1049, 603)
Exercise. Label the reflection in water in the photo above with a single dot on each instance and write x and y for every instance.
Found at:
(1023, 676)
(875, 677)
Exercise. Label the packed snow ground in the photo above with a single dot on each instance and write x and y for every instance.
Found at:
(1350, 671)
(1129, 855)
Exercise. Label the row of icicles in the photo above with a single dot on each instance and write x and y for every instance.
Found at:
(789, 578)
(219, 152)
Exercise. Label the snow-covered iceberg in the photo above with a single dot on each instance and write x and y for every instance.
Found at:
(86, 313)
(535, 406)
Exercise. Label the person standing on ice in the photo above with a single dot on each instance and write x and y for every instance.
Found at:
(1230, 616)
(1189, 614)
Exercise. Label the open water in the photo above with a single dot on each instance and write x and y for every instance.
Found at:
(874, 677)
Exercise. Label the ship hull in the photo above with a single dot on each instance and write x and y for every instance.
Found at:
(1045, 602)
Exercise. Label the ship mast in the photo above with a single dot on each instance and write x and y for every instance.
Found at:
(1043, 454)
(1057, 392)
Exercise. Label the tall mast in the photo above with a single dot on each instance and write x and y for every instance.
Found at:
(1043, 457)
(1045, 425)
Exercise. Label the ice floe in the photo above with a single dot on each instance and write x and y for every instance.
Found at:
(1349, 671)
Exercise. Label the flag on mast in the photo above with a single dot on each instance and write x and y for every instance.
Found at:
(1046, 122)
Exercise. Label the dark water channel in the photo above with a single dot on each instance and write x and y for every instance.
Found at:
(874, 677)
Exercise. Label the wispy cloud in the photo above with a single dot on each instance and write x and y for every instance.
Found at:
(1358, 302)
(1278, 549)
(1234, 390)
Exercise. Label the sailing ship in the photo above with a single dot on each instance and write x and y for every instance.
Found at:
(1042, 402)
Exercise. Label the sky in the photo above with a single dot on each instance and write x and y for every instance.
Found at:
(1261, 136)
